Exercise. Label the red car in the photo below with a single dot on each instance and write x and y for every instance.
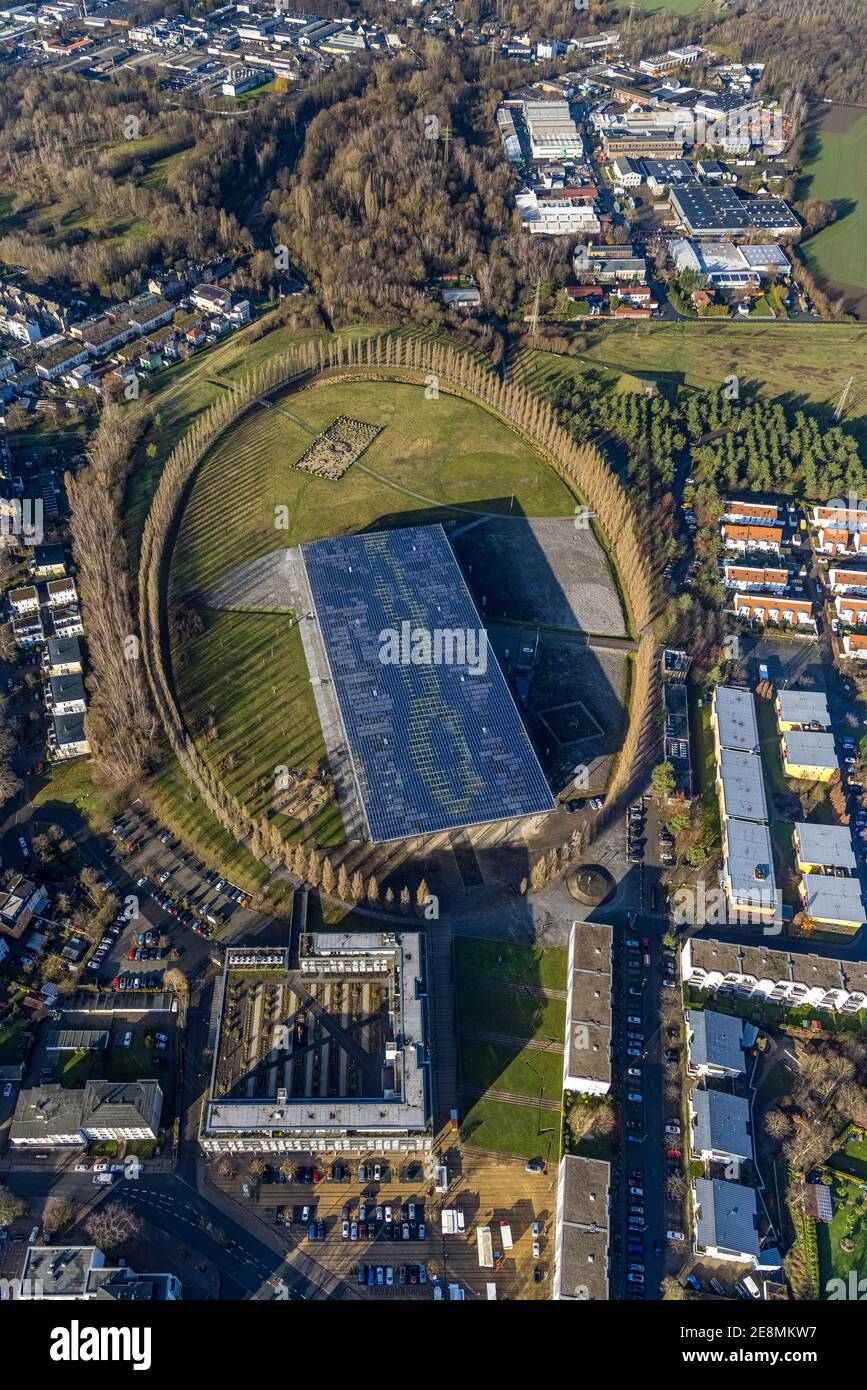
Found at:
(130, 955)
(115, 982)
(673, 1153)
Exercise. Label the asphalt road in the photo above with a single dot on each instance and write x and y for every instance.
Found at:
(245, 1263)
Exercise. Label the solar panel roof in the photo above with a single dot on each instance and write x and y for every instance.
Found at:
(436, 741)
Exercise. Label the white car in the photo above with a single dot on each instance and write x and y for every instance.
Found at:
(675, 1235)
(127, 1039)
(140, 882)
(672, 1128)
(81, 1167)
(535, 1250)
(7, 1089)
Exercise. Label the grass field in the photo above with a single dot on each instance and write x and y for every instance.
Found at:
(682, 7)
(430, 454)
(513, 1129)
(494, 1066)
(807, 364)
(243, 684)
(247, 672)
(514, 1068)
(839, 252)
(478, 959)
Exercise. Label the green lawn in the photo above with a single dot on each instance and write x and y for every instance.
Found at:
(431, 455)
(839, 253)
(513, 1129)
(9, 1039)
(852, 1158)
(849, 1222)
(495, 1067)
(511, 1012)
(247, 674)
(476, 958)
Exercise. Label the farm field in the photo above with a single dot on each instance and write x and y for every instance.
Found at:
(838, 145)
(806, 363)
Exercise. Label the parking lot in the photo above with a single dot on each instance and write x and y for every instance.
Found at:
(171, 906)
(396, 1222)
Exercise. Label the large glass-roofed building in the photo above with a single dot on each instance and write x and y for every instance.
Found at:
(435, 739)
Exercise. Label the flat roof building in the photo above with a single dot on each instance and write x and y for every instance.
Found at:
(733, 719)
(820, 847)
(587, 1053)
(435, 738)
(581, 1232)
(809, 756)
(742, 786)
(371, 1041)
(802, 709)
(833, 900)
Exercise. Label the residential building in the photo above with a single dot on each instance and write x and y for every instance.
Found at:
(24, 601)
(750, 513)
(714, 1044)
(66, 621)
(751, 537)
(720, 1126)
(733, 720)
(854, 646)
(802, 709)
(62, 657)
(726, 1221)
(741, 786)
(49, 562)
(581, 1232)
(755, 578)
(60, 592)
(68, 738)
(587, 1052)
(822, 848)
(66, 695)
(850, 610)
(771, 608)
(57, 1116)
(20, 904)
(809, 757)
(748, 868)
(846, 579)
(65, 1273)
(832, 900)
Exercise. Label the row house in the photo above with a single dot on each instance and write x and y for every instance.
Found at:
(855, 646)
(66, 621)
(851, 610)
(837, 540)
(845, 518)
(755, 578)
(770, 608)
(60, 592)
(751, 537)
(767, 513)
(847, 580)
